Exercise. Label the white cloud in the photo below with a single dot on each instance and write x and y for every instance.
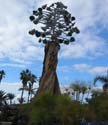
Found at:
(15, 43)
(18, 46)
(91, 17)
(84, 68)
(63, 68)
(10, 87)
(88, 47)
(14, 88)
(97, 89)
(99, 70)
(95, 70)
(12, 65)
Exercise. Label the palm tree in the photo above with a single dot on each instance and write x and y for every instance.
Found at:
(30, 91)
(83, 91)
(3, 97)
(96, 93)
(28, 80)
(32, 80)
(76, 87)
(21, 100)
(10, 96)
(2, 74)
(104, 80)
(88, 92)
(24, 76)
(79, 90)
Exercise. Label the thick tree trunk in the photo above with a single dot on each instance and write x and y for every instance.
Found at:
(49, 81)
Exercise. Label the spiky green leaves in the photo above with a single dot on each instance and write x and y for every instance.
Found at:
(61, 5)
(43, 35)
(76, 30)
(48, 8)
(43, 28)
(35, 12)
(44, 41)
(32, 32)
(61, 40)
(72, 18)
(35, 21)
(44, 6)
(69, 33)
(72, 39)
(32, 18)
(59, 24)
(66, 41)
(40, 40)
(40, 9)
(39, 34)
(35, 32)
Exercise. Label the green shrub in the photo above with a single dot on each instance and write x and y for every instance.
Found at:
(42, 110)
(54, 110)
(99, 105)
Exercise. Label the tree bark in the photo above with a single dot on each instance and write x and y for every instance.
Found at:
(49, 81)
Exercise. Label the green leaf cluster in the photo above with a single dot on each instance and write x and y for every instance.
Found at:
(59, 24)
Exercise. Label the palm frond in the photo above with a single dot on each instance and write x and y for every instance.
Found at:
(103, 79)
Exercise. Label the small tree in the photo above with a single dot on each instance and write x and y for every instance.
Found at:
(3, 98)
(33, 79)
(28, 79)
(104, 80)
(10, 97)
(58, 27)
(24, 77)
(2, 75)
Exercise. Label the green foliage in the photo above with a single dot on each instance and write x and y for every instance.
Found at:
(28, 79)
(3, 97)
(10, 96)
(47, 109)
(42, 109)
(99, 105)
(104, 80)
(58, 24)
(2, 75)
(55, 110)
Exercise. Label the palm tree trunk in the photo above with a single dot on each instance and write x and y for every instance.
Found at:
(49, 81)
(22, 93)
(10, 101)
(77, 96)
(88, 94)
(29, 96)
(82, 98)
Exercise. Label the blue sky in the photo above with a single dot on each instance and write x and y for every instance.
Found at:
(82, 60)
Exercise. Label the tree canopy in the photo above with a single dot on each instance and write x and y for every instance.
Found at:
(58, 24)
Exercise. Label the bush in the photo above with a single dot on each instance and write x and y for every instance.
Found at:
(42, 110)
(99, 105)
(55, 110)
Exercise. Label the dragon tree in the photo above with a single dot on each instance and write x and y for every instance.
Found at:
(57, 27)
